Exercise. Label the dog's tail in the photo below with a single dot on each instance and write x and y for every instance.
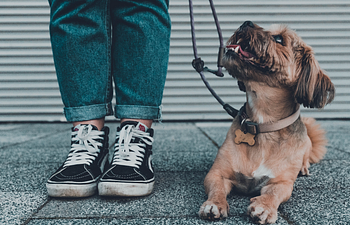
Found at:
(318, 139)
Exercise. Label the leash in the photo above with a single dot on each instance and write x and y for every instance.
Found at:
(198, 63)
(248, 129)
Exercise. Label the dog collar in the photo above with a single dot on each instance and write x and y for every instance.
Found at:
(248, 126)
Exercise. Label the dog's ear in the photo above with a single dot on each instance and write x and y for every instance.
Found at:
(314, 88)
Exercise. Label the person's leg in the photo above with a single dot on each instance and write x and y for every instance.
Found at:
(99, 123)
(80, 39)
(140, 51)
(148, 123)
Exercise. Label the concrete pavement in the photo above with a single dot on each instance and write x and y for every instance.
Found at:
(183, 154)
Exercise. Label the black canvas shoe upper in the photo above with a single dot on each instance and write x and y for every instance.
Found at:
(89, 148)
(132, 156)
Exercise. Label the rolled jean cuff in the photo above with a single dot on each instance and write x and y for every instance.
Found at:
(138, 112)
(89, 112)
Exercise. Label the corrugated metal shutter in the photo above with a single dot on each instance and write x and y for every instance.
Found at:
(29, 91)
(28, 86)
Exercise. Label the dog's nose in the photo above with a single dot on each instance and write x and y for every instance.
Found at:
(247, 24)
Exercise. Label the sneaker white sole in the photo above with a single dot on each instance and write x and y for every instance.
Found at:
(71, 190)
(74, 190)
(125, 189)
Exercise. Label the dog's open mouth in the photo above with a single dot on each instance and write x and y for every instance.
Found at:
(242, 48)
(245, 53)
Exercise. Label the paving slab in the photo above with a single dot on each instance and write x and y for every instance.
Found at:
(19, 133)
(176, 195)
(183, 154)
(244, 220)
(216, 132)
(16, 154)
(335, 125)
(183, 147)
(17, 207)
(26, 177)
(320, 206)
(335, 154)
(328, 174)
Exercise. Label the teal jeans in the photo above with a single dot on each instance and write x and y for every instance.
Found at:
(96, 42)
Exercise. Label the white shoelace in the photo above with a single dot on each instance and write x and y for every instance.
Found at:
(128, 153)
(85, 148)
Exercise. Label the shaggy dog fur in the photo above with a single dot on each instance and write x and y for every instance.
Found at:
(279, 72)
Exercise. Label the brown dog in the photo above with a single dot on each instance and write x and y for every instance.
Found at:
(268, 144)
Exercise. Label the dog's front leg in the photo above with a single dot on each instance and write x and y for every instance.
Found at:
(217, 187)
(264, 207)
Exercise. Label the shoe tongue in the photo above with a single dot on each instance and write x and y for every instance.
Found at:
(140, 126)
(82, 126)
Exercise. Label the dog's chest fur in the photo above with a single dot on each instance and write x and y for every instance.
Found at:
(254, 183)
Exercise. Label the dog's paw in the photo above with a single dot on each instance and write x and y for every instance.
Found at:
(211, 211)
(304, 171)
(261, 213)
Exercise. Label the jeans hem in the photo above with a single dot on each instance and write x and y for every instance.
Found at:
(89, 112)
(138, 112)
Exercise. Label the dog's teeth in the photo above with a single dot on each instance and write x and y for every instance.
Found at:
(237, 49)
(239, 41)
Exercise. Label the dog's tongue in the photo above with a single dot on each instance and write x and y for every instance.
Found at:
(245, 54)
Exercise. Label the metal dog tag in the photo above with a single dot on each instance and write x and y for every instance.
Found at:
(242, 137)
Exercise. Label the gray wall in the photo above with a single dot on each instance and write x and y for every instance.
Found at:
(29, 91)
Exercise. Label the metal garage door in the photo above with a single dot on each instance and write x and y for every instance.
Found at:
(29, 91)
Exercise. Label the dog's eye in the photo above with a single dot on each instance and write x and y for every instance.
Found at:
(278, 39)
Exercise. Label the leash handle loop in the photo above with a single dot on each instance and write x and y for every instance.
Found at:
(221, 52)
(198, 63)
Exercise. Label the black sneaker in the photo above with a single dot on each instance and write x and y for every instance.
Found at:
(79, 174)
(131, 172)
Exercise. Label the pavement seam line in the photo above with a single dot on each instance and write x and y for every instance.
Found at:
(127, 217)
(285, 218)
(338, 149)
(207, 136)
(38, 137)
(36, 211)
